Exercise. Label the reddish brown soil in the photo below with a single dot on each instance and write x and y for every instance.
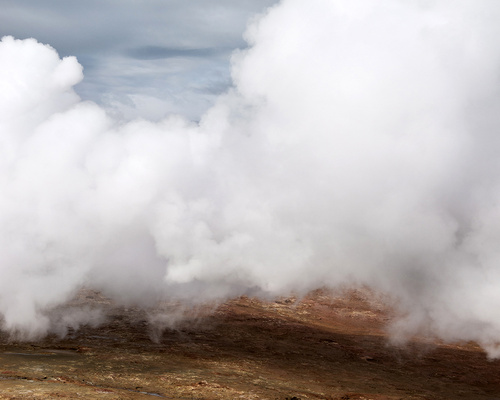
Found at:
(322, 347)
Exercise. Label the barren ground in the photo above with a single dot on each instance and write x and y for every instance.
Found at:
(324, 346)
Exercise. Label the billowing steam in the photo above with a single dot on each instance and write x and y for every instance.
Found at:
(359, 145)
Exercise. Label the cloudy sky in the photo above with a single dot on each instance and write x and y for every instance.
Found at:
(141, 58)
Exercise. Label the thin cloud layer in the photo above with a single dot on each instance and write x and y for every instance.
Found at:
(116, 40)
(357, 146)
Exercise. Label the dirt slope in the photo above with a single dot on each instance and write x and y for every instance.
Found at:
(324, 346)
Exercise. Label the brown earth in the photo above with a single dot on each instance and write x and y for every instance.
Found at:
(324, 346)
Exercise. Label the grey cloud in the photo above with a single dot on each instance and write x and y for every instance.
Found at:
(105, 32)
(158, 52)
(94, 26)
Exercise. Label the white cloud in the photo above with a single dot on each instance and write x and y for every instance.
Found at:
(105, 35)
(355, 147)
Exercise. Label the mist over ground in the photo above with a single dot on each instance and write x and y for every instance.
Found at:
(358, 145)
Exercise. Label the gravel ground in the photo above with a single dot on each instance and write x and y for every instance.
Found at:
(324, 346)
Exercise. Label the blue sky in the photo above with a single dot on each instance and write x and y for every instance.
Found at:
(144, 58)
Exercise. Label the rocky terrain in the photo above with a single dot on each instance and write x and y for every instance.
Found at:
(324, 346)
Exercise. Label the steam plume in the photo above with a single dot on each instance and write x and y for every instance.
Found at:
(358, 145)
